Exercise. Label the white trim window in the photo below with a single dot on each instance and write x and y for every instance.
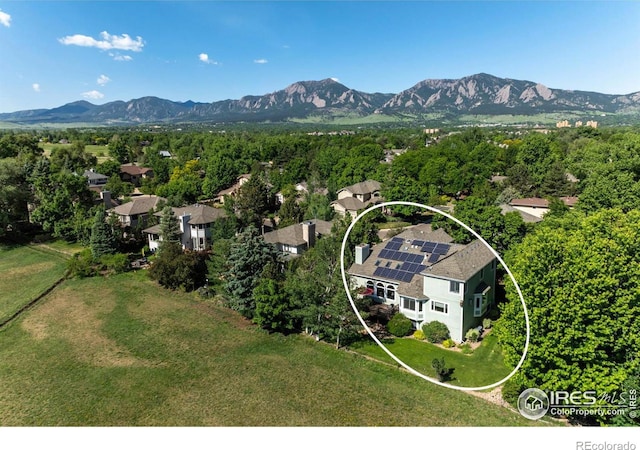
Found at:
(409, 303)
(454, 286)
(439, 307)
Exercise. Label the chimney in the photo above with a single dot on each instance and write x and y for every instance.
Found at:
(186, 231)
(362, 253)
(106, 197)
(309, 233)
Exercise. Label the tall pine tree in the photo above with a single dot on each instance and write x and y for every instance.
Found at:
(102, 240)
(169, 228)
(248, 257)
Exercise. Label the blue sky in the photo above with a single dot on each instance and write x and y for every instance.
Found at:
(55, 52)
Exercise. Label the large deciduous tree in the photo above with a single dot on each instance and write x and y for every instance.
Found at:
(580, 278)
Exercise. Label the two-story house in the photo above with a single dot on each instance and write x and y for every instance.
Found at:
(136, 211)
(428, 277)
(356, 197)
(195, 222)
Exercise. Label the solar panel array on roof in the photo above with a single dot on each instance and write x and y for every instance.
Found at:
(399, 256)
(412, 267)
(393, 245)
(393, 274)
(442, 249)
(434, 257)
(428, 247)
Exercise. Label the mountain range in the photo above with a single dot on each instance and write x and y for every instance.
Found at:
(480, 94)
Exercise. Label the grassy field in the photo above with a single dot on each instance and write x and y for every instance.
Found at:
(25, 273)
(483, 367)
(100, 151)
(123, 351)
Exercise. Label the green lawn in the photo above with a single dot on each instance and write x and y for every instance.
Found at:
(25, 273)
(100, 151)
(123, 351)
(483, 367)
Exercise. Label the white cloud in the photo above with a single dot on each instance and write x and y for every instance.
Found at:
(205, 59)
(5, 19)
(260, 61)
(102, 80)
(108, 42)
(118, 57)
(36, 87)
(93, 95)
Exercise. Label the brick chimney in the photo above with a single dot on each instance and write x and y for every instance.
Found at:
(309, 233)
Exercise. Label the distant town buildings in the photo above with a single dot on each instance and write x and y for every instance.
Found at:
(578, 123)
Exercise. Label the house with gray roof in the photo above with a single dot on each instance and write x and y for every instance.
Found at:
(94, 178)
(195, 222)
(296, 239)
(137, 210)
(428, 277)
(356, 197)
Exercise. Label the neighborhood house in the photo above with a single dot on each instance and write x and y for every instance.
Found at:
(295, 239)
(195, 227)
(354, 198)
(134, 174)
(136, 211)
(428, 277)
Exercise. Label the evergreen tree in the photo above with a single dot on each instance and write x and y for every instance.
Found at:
(102, 240)
(169, 227)
(248, 257)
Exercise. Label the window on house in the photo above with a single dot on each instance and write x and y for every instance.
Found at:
(380, 290)
(439, 307)
(420, 306)
(409, 304)
(454, 286)
(391, 293)
(370, 285)
(482, 273)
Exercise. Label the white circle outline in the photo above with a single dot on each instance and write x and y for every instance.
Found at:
(394, 357)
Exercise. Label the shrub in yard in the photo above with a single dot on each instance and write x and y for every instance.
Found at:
(442, 372)
(486, 323)
(435, 332)
(418, 334)
(81, 264)
(399, 325)
(511, 391)
(472, 335)
(448, 343)
(116, 263)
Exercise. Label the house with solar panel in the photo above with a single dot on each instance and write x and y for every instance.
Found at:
(428, 277)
